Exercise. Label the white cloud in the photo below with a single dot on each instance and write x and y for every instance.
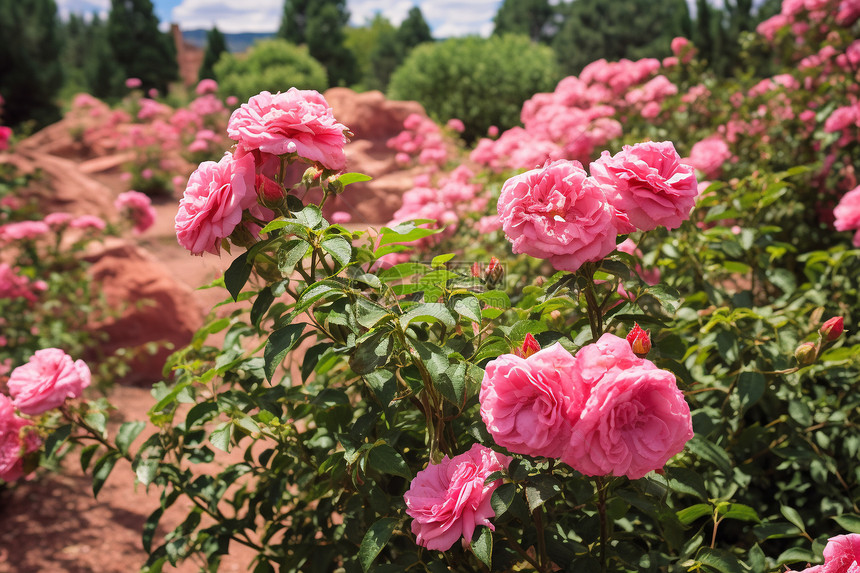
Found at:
(203, 14)
(83, 7)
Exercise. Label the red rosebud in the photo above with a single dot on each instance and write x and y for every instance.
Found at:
(476, 270)
(495, 271)
(805, 353)
(640, 341)
(832, 329)
(529, 347)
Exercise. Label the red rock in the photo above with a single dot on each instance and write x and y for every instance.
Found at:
(154, 307)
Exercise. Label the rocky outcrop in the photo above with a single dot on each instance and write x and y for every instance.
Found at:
(374, 120)
(153, 308)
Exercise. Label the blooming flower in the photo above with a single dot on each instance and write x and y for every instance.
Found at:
(847, 214)
(298, 121)
(635, 418)
(47, 380)
(213, 202)
(138, 207)
(559, 213)
(648, 183)
(528, 404)
(448, 500)
(12, 443)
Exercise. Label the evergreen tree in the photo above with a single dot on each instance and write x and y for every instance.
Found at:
(387, 54)
(141, 49)
(413, 30)
(532, 18)
(594, 29)
(104, 77)
(319, 25)
(216, 45)
(31, 72)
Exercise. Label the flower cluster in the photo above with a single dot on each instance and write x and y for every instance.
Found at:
(561, 214)
(604, 411)
(422, 137)
(14, 285)
(137, 207)
(450, 499)
(42, 384)
(270, 131)
(847, 214)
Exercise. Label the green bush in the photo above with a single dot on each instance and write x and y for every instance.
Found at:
(272, 65)
(481, 81)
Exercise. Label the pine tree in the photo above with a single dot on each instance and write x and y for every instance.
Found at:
(413, 30)
(31, 72)
(532, 18)
(216, 45)
(104, 76)
(141, 49)
(319, 24)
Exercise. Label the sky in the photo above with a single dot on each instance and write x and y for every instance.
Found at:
(446, 18)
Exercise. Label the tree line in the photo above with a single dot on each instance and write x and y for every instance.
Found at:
(44, 58)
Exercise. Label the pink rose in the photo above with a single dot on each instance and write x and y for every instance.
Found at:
(47, 380)
(88, 222)
(648, 183)
(298, 121)
(23, 230)
(841, 555)
(206, 86)
(449, 499)
(138, 208)
(455, 124)
(12, 444)
(132, 83)
(709, 155)
(847, 214)
(528, 403)
(213, 202)
(635, 419)
(559, 213)
(5, 136)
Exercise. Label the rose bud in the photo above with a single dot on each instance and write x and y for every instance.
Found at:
(805, 353)
(640, 341)
(530, 346)
(832, 329)
(495, 271)
(476, 270)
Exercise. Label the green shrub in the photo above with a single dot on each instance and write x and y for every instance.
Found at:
(481, 81)
(272, 65)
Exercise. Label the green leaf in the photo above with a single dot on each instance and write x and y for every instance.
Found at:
(792, 516)
(372, 351)
(102, 470)
(56, 439)
(368, 313)
(202, 411)
(149, 528)
(690, 514)
(221, 435)
(280, 342)
(87, 454)
(146, 470)
(468, 306)
(350, 178)
(452, 384)
(312, 357)
(339, 248)
(722, 561)
(264, 300)
(502, 498)
(540, 489)
(237, 275)
(315, 292)
(310, 216)
(387, 460)
(711, 453)
(795, 554)
(97, 421)
(687, 481)
(440, 260)
(374, 540)
(406, 232)
(751, 387)
(482, 547)
(127, 433)
(737, 511)
(849, 522)
(290, 254)
(428, 312)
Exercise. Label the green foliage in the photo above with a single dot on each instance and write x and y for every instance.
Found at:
(532, 18)
(31, 72)
(414, 30)
(481, 81)
(320, 26)
(216, 45)
(272, 65)
(141, 50)
(633, 29)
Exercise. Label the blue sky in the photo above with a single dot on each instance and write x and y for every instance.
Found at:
(446, 17)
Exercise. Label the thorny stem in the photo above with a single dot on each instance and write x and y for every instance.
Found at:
(604, 523)
(543, 558)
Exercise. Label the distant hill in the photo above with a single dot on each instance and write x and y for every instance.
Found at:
(235, 42)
